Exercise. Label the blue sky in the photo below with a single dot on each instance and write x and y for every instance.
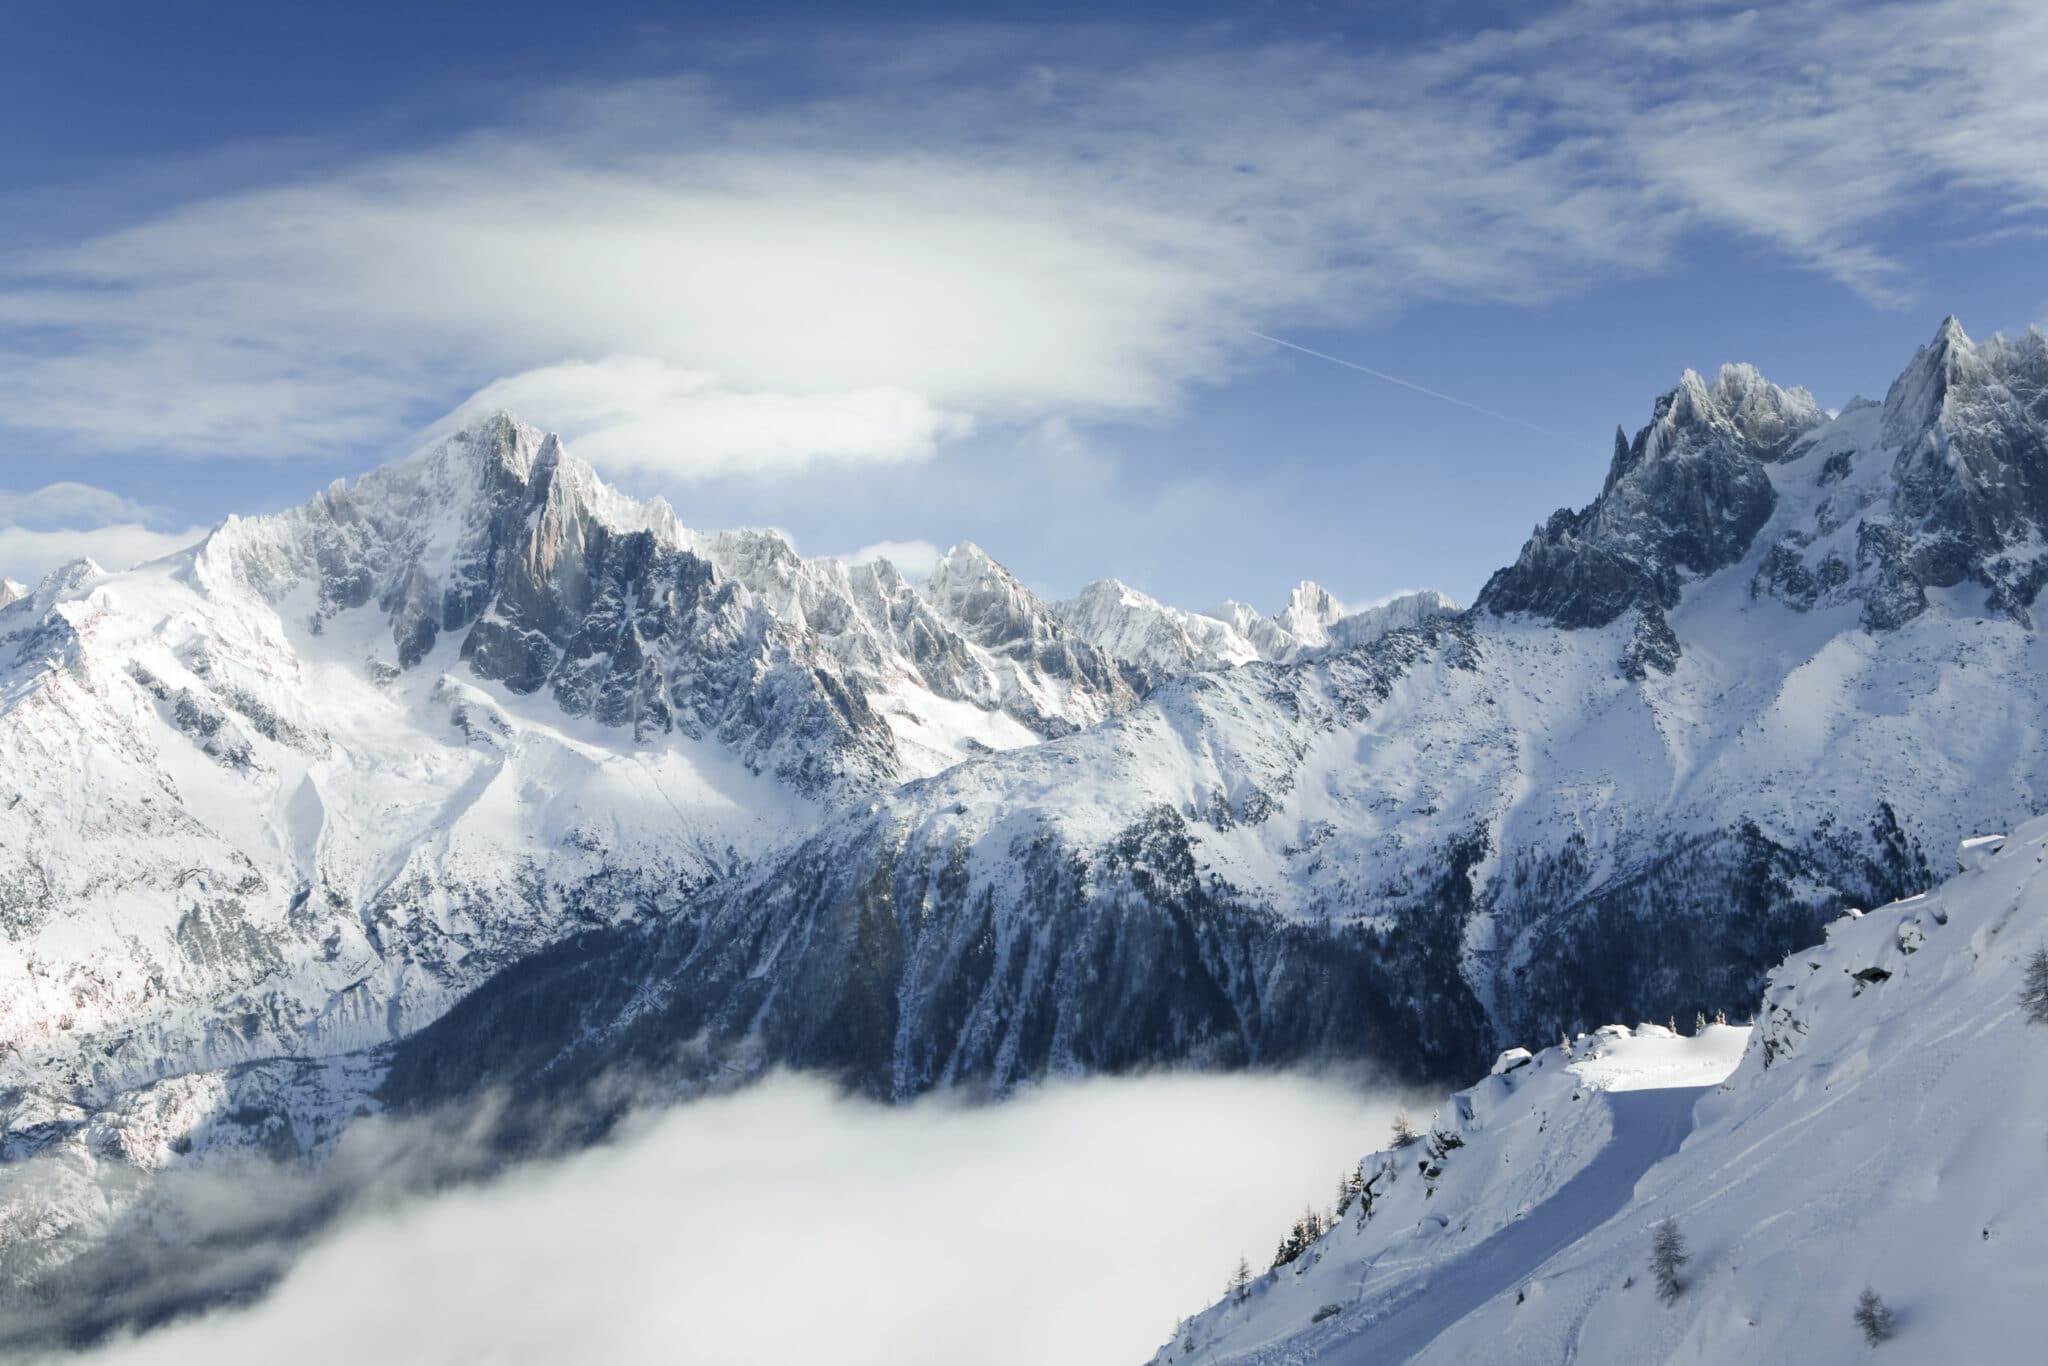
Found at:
(892, 274)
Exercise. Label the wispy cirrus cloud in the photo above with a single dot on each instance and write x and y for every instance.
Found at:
(963, 224)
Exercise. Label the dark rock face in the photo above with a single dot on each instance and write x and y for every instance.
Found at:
(1893, 594)
(622, 628)
(1684, 499)
(882, 964)
(1653, 646)
(210, 728)
(1599, 950)
(1786, 574)
(633, 633)
(1964, 432)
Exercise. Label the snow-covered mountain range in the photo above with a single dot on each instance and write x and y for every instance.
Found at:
(1647, 764)
(1881, 1128)
(292, 792)
(476, 771)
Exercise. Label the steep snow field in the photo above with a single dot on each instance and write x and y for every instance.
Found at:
(1887, 1124)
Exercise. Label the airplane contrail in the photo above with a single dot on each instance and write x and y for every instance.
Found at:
(1410, 384)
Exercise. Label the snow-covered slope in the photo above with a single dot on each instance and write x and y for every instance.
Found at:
(1883, 1127)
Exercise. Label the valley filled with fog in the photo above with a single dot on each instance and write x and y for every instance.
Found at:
(786, 1222)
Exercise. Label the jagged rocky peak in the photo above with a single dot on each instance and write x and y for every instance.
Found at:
(1314, 620)
(1957, 392)
(1053, 679)
(25, 624)
(1684, 498)
(972, 590)
(1767, 419)
(1947, 482)
(1934, 398)
(1160, 640)
(1309, 613)
(549, 580)
(1264, 633)
(429, 523)
(1970, 424)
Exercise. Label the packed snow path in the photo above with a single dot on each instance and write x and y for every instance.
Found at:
(1648, 1125)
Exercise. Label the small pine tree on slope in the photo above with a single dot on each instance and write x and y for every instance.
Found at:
(1873, 1316)
(1667, 1255)
(2034, 989)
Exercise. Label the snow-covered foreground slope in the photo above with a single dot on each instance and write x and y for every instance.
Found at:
(1884, 1127)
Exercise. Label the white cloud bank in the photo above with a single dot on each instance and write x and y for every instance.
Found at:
(963, 223)
(27, 555)
(786, 1224)
(43, 528)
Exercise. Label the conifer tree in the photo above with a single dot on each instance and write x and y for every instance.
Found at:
(1667, 1255)
(2034, 989)
(1873, 1316)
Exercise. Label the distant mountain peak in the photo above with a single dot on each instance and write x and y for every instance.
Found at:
(1914, 404)
(1310, 610)
(69, 577)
